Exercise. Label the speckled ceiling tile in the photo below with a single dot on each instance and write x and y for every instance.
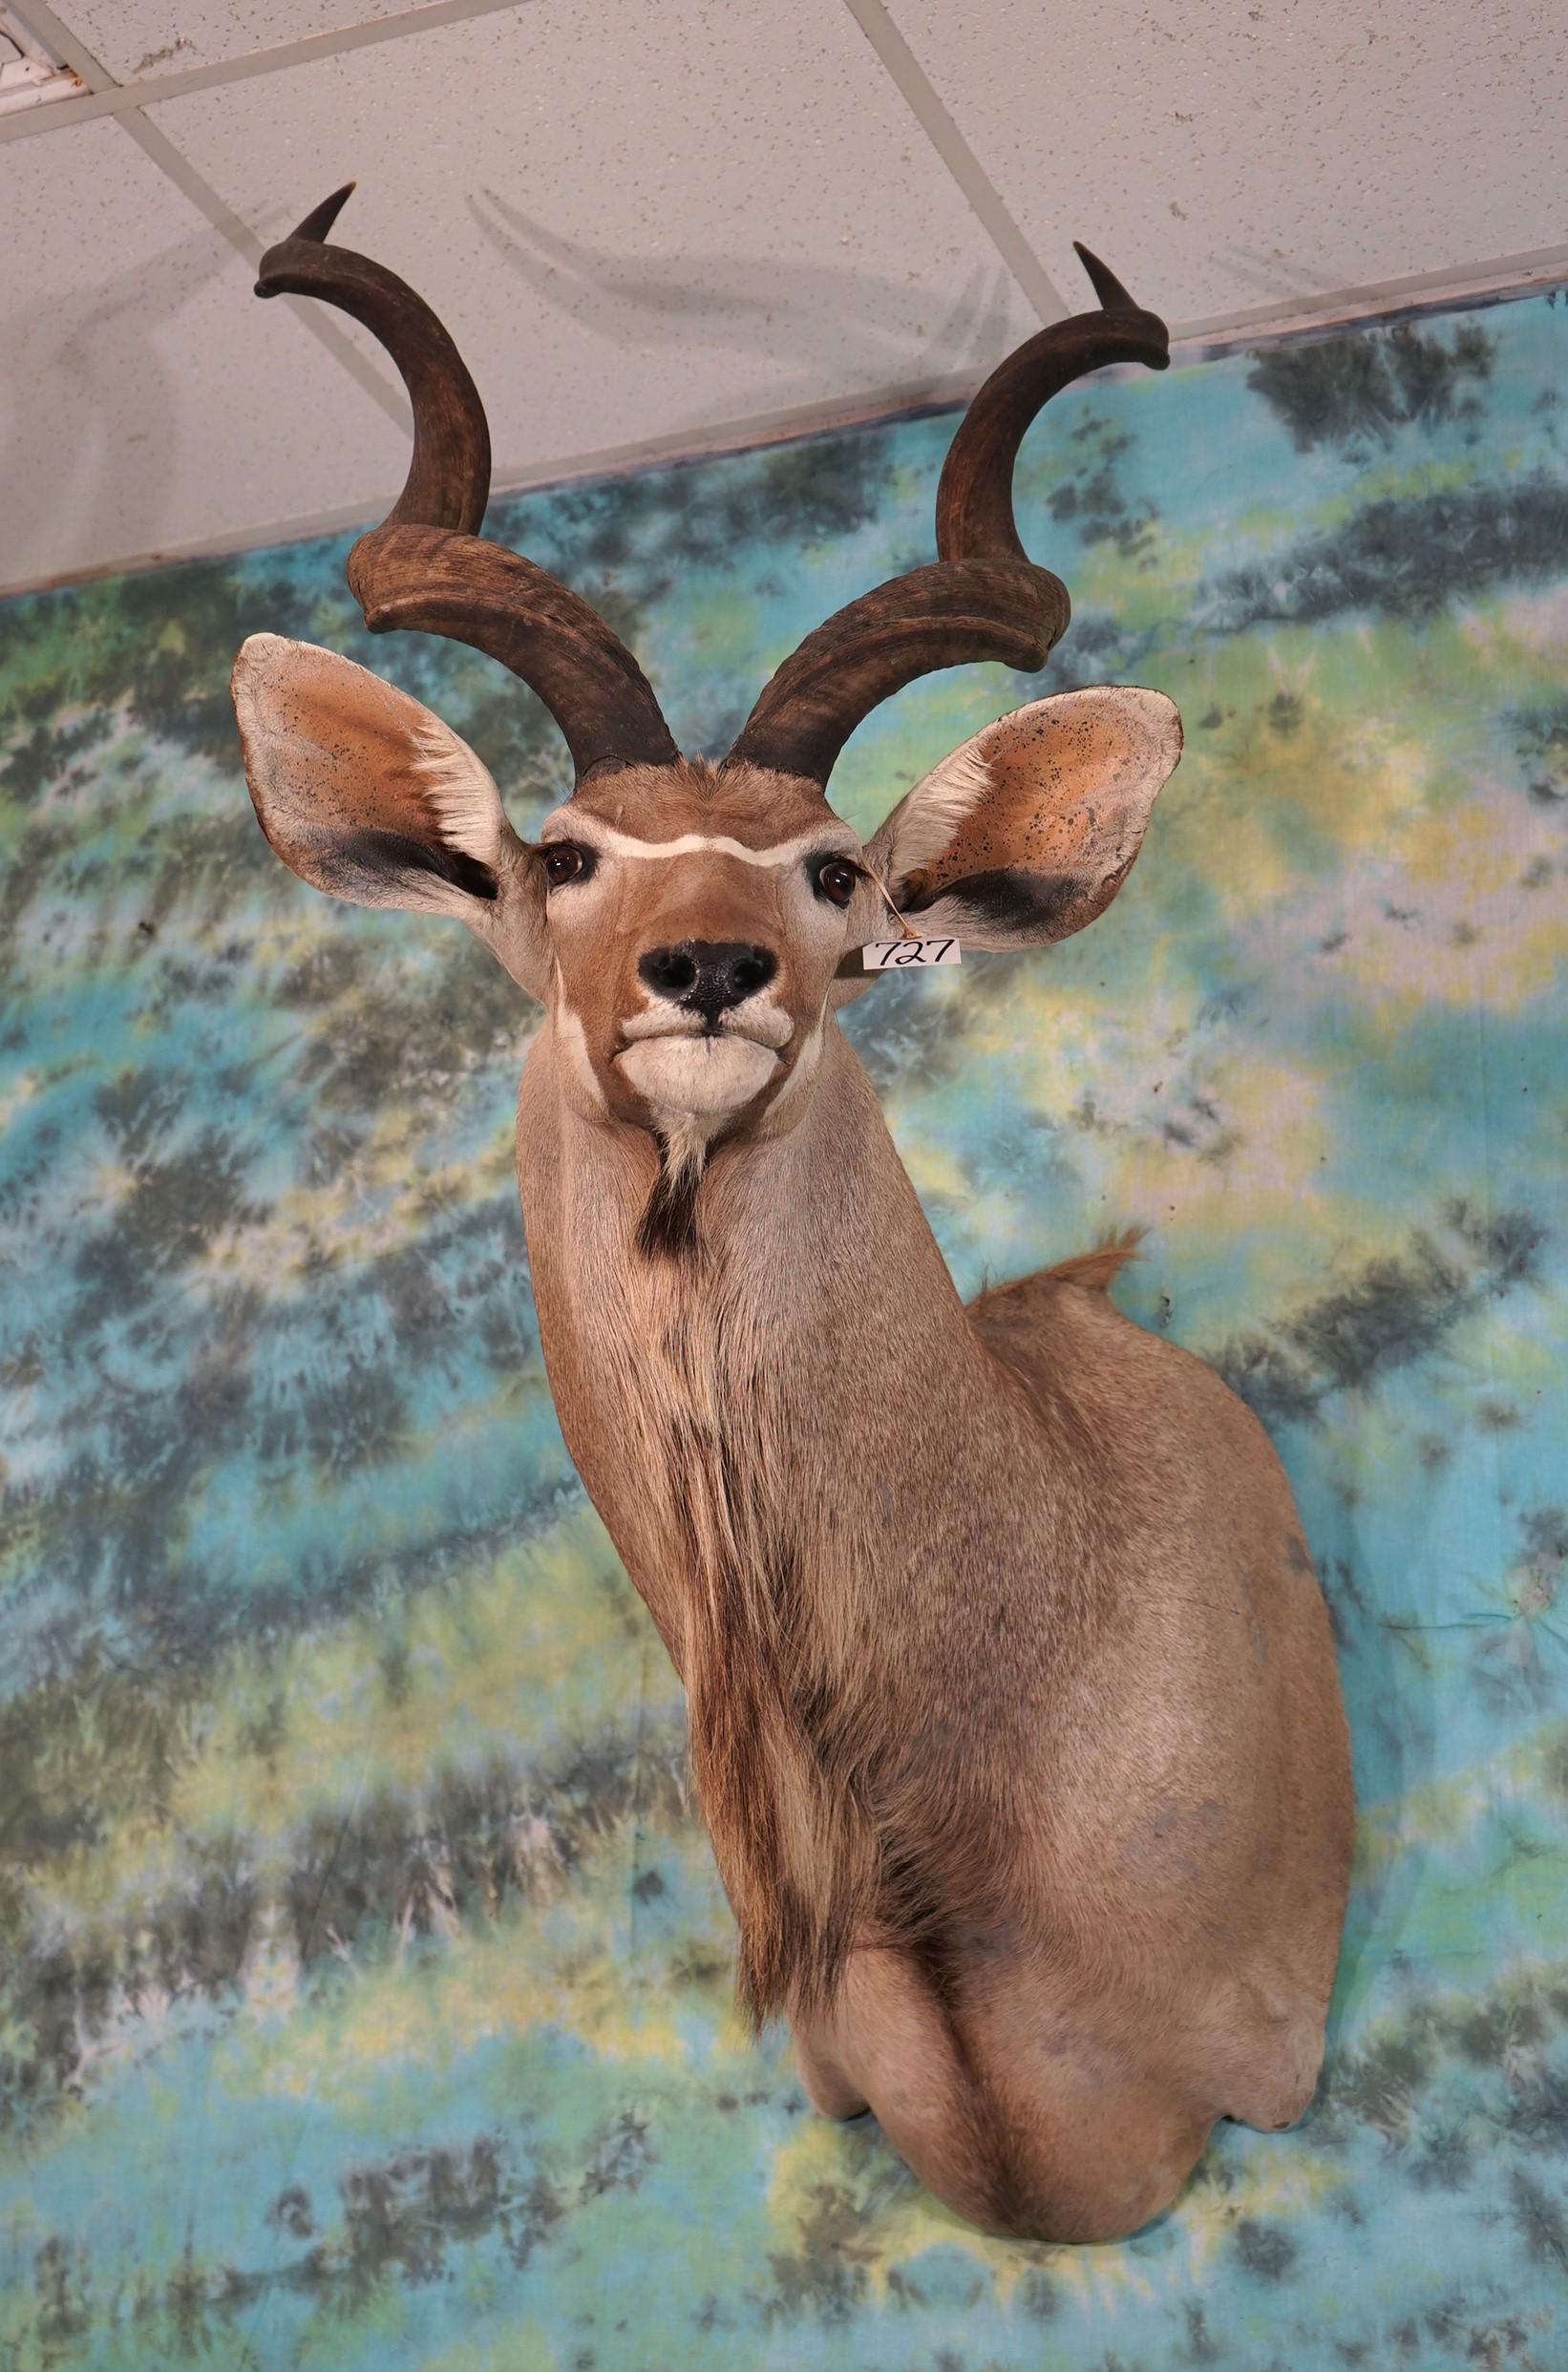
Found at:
(1224, 156)
(136, 37)
(142, 389)
(637, 224)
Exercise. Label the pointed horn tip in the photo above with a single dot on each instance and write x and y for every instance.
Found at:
(313, 231)
(320, 219)
(1106, 285)
(1116, 299)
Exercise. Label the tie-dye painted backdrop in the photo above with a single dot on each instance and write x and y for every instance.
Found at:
(363, 1982)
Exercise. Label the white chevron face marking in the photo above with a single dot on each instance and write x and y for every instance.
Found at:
(613, 843)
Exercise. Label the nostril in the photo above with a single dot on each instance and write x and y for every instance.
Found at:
(669, 970)
(752, 969)
(707, 976)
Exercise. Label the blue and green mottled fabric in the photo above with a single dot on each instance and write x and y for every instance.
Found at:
(364, 1979)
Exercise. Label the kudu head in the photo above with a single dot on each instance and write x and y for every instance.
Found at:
(690, 926)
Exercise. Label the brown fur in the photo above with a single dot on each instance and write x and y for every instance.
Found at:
(1103, 1826)
(1098, 1270)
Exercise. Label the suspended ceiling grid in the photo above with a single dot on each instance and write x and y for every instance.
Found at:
(657, 228)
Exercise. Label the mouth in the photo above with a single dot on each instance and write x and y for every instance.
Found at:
(697, 1071)
(765, 1026)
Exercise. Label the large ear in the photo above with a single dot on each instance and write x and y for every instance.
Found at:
(361, 790)
(368, 795)
(1027, 832)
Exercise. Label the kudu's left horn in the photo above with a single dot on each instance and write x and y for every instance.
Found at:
(426, 567)
(984, 597)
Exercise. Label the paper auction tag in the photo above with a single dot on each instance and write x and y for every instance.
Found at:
(892, 955)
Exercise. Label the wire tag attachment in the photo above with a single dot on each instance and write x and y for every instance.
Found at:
(893, 955)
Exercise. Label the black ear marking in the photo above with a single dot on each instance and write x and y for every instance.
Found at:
(387, 854)
(1009, 899)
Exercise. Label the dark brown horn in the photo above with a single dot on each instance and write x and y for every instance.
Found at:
(448, 484)
(426, 567)
(974, 498)
(985, 599)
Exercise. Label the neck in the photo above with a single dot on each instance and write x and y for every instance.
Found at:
(750, 1393)
(801, 1269)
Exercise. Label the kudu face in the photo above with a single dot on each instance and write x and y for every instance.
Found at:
(690, 926)
(695, 925)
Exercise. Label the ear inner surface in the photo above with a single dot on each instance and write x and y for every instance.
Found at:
(1028, 832)
(360, 789)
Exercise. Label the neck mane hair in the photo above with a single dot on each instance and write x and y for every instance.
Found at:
(668, 1229)
(725, 1315)
(711, 1396)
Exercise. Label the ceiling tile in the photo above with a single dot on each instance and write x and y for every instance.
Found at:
(638, 225)
(142, 389)
(1225, 158)
(137, 37)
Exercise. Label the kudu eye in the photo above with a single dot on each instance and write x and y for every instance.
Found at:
(565, 862)
(837, 880)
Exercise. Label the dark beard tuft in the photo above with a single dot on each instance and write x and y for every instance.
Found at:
(668, 1229)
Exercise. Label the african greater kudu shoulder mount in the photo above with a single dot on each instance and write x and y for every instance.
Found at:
(1013, 1712)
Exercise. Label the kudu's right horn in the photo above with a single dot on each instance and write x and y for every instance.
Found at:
(426, 567)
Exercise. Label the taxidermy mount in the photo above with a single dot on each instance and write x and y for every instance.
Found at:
(1014, 1715)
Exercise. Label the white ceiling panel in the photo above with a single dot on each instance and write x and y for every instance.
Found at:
(135, 39)
(1230, 154)
(142, 389)
(640, 225)
(654, 228)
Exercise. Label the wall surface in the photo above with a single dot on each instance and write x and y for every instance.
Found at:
(364, 1979)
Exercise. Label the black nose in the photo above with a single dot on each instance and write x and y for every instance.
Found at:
(706, 975)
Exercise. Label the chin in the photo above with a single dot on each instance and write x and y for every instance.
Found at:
(698, 1078)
